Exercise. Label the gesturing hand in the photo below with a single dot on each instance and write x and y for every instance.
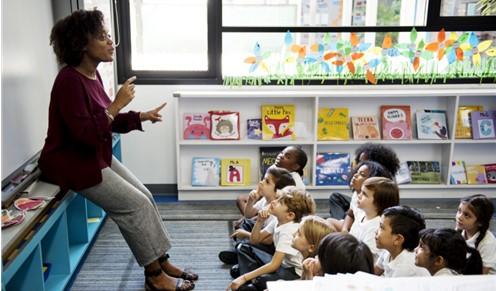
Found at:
(153, 115)
(125, 93)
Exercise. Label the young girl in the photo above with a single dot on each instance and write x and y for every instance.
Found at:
(311, 231)
(444, 252)
(377, 194)
(472, 218)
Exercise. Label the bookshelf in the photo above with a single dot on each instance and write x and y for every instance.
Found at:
(361, 100)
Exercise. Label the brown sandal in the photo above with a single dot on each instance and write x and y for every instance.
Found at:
(185, 275)
(181, 285)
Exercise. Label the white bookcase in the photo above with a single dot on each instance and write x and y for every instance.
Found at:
(361, 100)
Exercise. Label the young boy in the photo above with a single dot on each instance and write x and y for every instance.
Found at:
(398, 233)
(286, 263)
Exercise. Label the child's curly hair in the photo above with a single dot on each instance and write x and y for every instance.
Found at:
(298, 201)
(378, 153)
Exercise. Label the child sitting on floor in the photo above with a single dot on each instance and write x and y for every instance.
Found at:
(311, 231)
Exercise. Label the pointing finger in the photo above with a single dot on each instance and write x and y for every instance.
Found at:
(131, 80)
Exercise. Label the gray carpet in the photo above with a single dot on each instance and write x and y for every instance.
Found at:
(199, 231)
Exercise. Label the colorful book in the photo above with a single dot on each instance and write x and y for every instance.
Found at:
(224, 125)
(403, 174)
(483, 123)
(278, 122)
(476, 174)
(254, 128)
(396, 122)
(205, 171)
(333, 124)
(458, 174)
(432, 124)
(235, 172)
(490, 173)
(424, 172)
(332, 169)
(365, 127)
(196, 126)
(268, 157)
(463, 120)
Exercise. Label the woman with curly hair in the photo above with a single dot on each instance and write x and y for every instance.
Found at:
(81, 121)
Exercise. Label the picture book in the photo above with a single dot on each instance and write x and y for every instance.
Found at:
(196, 126)
(333, 124)
(224, 125)
(365, 127)
(490, 173)
(254, 128)
(235, 172)
(432, 124)
(458, 174)
(476, 174)
(205, 171)
(396, 122)
(332, 169)
(463, 120)
(268, 157)
(483, 123)
(424, 172)
(278, 121)
(403, 174)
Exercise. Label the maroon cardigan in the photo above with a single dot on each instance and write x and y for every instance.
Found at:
(79, 137)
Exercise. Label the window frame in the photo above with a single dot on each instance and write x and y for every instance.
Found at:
(434, 22)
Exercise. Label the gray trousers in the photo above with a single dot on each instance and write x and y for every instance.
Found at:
(127, 202)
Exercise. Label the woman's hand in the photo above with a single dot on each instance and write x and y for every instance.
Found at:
(236, 283)
(152, 115)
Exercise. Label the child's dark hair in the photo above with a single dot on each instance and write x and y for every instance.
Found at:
(405, 221)
(282, 177)
(375, 170)
(386, 192)
(301, 158)
(449, 244)
(299, 202)
(378, 153)
(483, 209)
(343, 253)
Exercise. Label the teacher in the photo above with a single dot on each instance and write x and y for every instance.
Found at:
(77, 154)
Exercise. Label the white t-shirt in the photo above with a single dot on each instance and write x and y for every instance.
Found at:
(283, 239)
(486, 248)
(446, 272)
(364, 230)
(402, 266)
(358, 213)
(298, 180)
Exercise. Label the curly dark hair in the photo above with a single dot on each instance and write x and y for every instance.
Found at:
(70, 35)
(378, 153)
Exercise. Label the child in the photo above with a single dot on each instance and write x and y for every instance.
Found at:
(398, 233)
(364, 170)
(472, 218)
(377, 194)
(286, 262)
(311, 231)
(339, 253)
(444, 252)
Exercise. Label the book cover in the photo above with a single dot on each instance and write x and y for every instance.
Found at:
(278, 122)
(490, 173)
(458, 174)
(268, 157)
(424, 172)
(396, 122)
(432, 124)
(205, 171)
(224, 125)
(483, 123)
(365, 127)
(235, 172)
(476, 174)
(464, 122)
(332, 168)
(333, 124)
(196, 126)
(254, 128)
(403, 174)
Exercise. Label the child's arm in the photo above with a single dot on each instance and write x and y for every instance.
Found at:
(258, 235)
(253, 197)
(240, 234)
(378, 270)
(268, 268)
(348, 221)
(311, 268)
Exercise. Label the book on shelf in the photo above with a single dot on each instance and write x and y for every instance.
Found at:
(463, 120)
(332, 169)
(205, 171)
(278, 121)
(365, 127)
(396, 122)
(458, 173)
(424, 172)
(235, 172)
(333, 124)
(483, 123)
(490, 173)
(432, 124)
(196, 126)
(403, 174)
(476, 174)
(254, 128)
(224, 125)
(268, 157)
